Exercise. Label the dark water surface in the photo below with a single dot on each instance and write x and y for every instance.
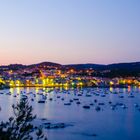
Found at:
(114, 114)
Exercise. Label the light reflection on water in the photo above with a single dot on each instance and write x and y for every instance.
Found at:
(107, 124)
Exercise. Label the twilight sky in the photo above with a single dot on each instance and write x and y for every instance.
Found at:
(69, 31)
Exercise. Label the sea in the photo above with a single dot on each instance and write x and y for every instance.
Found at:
(87, 113)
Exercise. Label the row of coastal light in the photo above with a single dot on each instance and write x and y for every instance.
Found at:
(52, 83)
(44, 82)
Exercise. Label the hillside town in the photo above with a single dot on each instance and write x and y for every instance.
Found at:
(54, 75)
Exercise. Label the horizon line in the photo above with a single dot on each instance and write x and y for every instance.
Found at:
(70, 64)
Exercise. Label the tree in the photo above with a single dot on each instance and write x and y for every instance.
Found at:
(20, 127)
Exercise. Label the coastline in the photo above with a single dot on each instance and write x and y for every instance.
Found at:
(125, 86)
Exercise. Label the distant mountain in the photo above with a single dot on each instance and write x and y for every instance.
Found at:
(39, 65)
(45, 64)
(135, 65)
(13, 66)
(129, 66)
(111, 70)
(124, 69)
(86, 66)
